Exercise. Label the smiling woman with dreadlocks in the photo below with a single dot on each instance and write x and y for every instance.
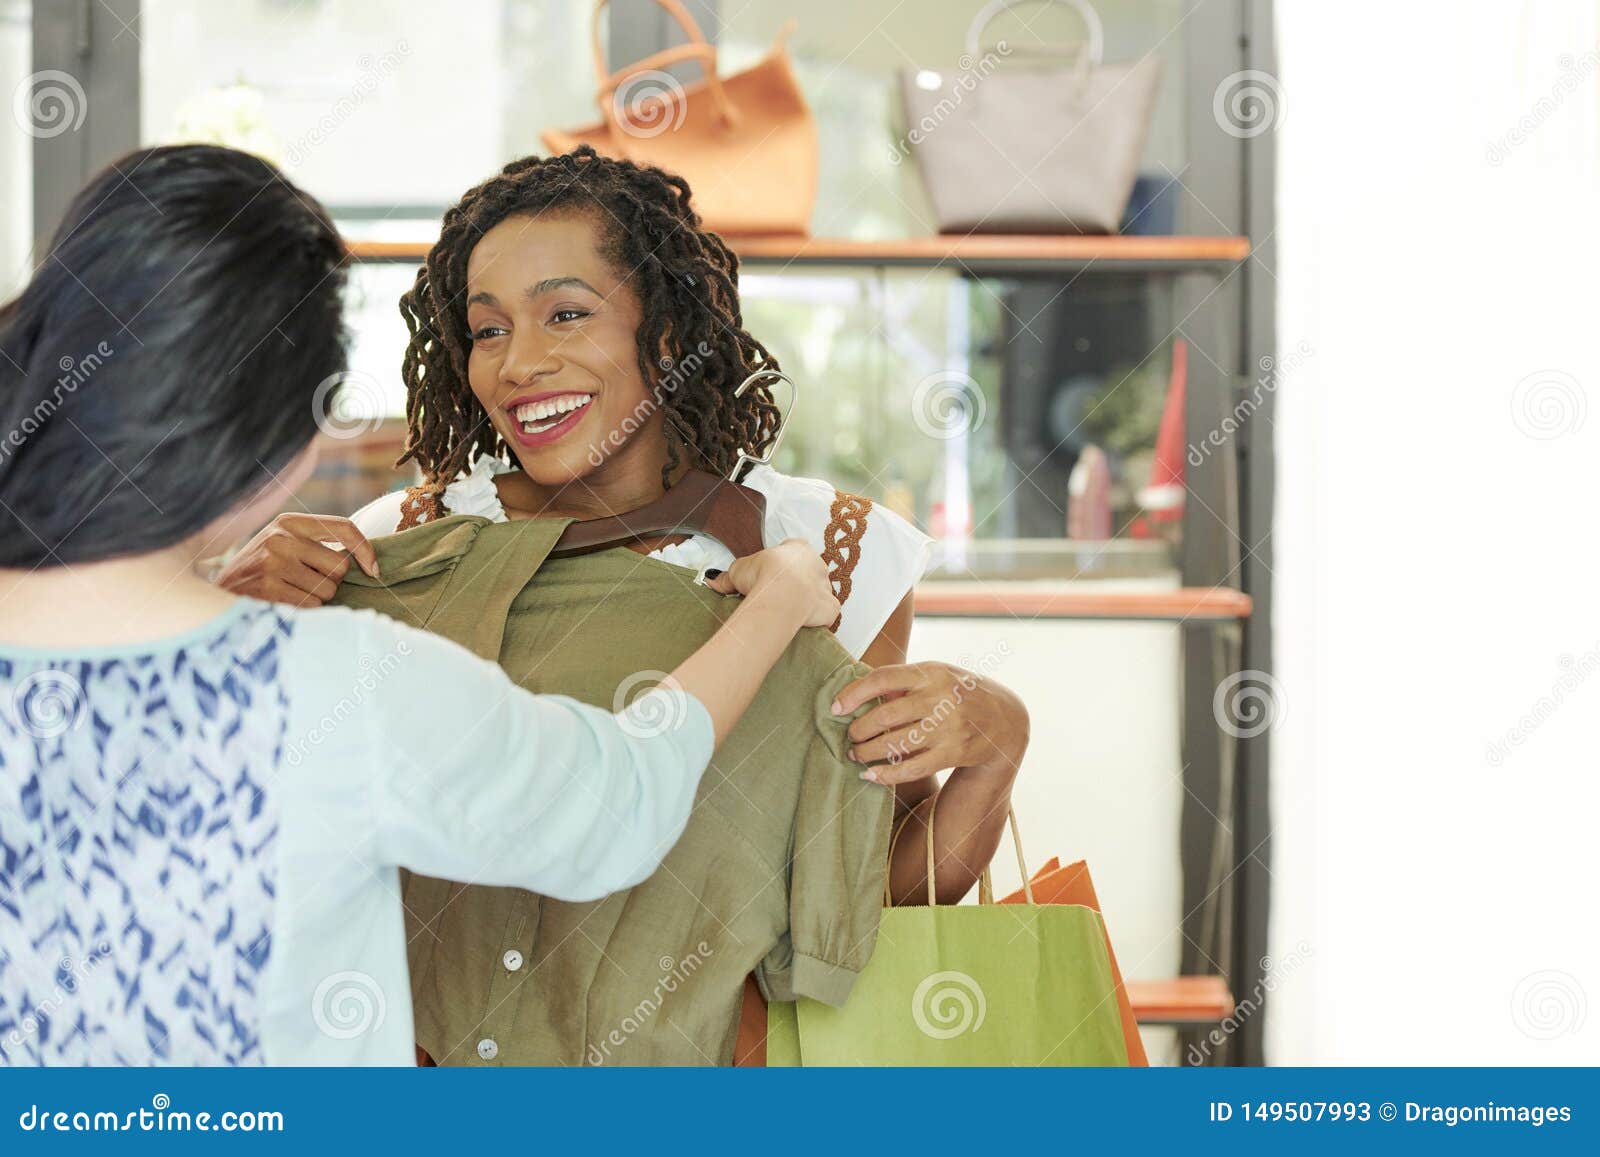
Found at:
(576, 343)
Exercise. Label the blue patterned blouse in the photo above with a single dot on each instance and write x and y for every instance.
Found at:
(200, 837)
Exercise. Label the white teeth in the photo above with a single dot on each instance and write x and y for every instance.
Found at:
(537, 417)
(551, 407)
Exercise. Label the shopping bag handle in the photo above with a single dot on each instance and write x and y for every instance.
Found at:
(1085, 10)
(698, 49)
(985, 881)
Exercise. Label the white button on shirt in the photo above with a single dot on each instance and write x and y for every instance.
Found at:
(512, 960)
(487, 1049)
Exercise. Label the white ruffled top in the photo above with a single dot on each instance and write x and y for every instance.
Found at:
(893, 552)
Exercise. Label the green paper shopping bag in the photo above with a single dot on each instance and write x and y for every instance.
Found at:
(991, 984)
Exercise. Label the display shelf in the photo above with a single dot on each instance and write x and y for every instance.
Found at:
(1045, 601)
(974, 253)
(1183, 1000)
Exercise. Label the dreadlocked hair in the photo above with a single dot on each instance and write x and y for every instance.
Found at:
(687, 281)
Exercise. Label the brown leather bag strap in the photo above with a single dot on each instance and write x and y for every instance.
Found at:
(841, 543)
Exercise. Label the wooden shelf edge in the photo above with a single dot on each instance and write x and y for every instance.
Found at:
(1021, 601)
(1181, 1000)
(977, 249)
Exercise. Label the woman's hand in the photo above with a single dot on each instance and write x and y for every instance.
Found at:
(288, 563)
(791, 570)
(934, 716)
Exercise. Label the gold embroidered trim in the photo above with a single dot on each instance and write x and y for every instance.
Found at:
(841, 542)
(418, 506)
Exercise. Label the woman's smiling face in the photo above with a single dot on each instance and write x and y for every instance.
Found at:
(555, 358)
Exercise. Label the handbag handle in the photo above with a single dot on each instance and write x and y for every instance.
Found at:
(698, 49)
(1085, 11)
(772, 450)
(985, 880)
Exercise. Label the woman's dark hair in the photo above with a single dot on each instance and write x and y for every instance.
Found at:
(687, 281)
(165, 359)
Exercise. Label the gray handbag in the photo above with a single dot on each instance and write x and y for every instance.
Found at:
(1013, 146)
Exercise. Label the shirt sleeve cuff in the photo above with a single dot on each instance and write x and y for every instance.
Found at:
(812, 977)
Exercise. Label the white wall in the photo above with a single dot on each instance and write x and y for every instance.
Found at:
(1437, 562)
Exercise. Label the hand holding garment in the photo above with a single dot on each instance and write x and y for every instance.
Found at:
(780, 870)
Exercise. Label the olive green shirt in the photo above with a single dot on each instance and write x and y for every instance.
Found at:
(780, 870)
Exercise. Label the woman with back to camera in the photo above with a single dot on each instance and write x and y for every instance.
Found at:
(205, 799)
(577, 342)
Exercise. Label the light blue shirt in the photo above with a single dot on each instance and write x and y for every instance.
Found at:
(200, 838)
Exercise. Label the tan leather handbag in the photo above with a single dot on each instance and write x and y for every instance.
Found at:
(746, 143)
